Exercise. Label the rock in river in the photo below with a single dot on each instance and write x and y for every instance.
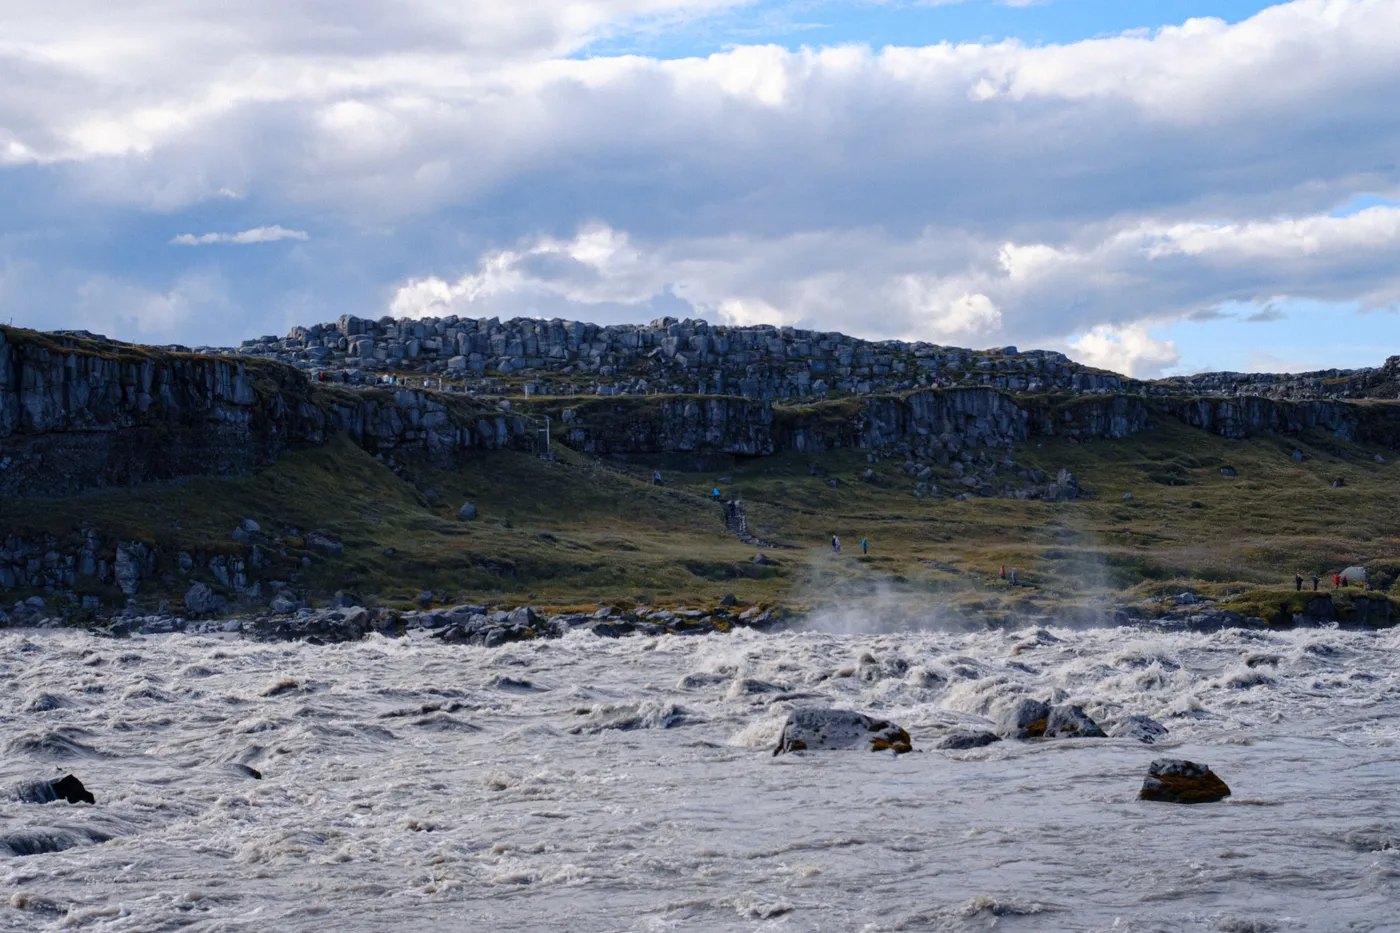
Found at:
(67, 788)
(1143, 728)
(815, 729)
(959, 741)
(1025, 720)
(1172, 780)
(1071, 722)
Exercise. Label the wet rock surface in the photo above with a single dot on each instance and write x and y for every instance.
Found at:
(1174, 780)
(1143, 728)
(815, 729)
(961, 741)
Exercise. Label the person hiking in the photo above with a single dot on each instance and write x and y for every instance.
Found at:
(1298, 580)
(714, 494)
(1014, 581)
(864, 546)
(1336, 581)
(1002, 572)
(1314, 583)
(656, 478)
(835, 545)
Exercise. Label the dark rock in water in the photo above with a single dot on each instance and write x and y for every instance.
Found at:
(612, 629)
(49, 839)
(815, 729)
(281, 687)
(1143, 728)
(1172, 780)
(243, 771)
(958, 741)
(67, 788)
(1026, 720)
(1071, 722)
(71, 789)
(728, 599)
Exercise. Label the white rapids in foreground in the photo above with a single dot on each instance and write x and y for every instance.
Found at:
(596, 785)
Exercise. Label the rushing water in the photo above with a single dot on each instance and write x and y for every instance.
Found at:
(590, 785)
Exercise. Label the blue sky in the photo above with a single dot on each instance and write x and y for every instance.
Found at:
(1146, 191)
(797, 23)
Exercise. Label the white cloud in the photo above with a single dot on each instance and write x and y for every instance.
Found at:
(255, 235)
(974, 192)
(1132, 350)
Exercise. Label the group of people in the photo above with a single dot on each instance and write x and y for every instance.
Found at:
(836, 545)
(1015, 579)
(1339, 580)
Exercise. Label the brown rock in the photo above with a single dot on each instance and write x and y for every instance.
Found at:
(1172, 780)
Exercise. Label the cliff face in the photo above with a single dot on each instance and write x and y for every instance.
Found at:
(77, 415)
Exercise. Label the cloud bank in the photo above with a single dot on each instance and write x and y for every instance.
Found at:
(475, 159)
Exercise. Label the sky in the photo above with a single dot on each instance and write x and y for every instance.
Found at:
(1152, 186)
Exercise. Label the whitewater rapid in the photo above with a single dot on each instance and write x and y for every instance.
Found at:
(588, 784)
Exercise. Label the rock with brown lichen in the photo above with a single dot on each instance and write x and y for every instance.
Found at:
(1173, 780)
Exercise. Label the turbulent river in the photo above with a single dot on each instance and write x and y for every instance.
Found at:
(588, 784)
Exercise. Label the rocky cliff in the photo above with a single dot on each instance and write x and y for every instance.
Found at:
(78, 414)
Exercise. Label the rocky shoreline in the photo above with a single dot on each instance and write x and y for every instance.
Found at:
(492, 626)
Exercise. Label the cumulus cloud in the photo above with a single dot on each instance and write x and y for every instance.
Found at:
(255, 235)
(1068, 195)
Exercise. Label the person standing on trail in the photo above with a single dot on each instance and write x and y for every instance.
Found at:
(1013, 577)
(656, 478)
(1336, 581)
(864, 546)
(835, 545)
(1298, 580)
(1002, 572)
(1314, 582)
(715, 494)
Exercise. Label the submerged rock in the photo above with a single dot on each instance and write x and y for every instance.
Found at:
(1143, 728)
(816, 729)
(67, 788)
(1173, 780)
(959, 741)
(1026, 720)
(1071, 722)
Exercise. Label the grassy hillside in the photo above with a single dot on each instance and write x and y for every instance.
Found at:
(581, 531)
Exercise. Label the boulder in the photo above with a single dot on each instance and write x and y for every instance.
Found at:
(199, 599)
(959, 741)
(467, 512)
(1173, 780)
(1143, 728)
(763, 560)
(1071, 722)
(1026, 720)
(324, 546)
(67, 788)
(251, 526)
(817, 729)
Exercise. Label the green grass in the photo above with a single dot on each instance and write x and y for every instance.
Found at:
(583, 531)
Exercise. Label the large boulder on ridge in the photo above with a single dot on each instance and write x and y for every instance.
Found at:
(1173, 780)
(816, 729)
